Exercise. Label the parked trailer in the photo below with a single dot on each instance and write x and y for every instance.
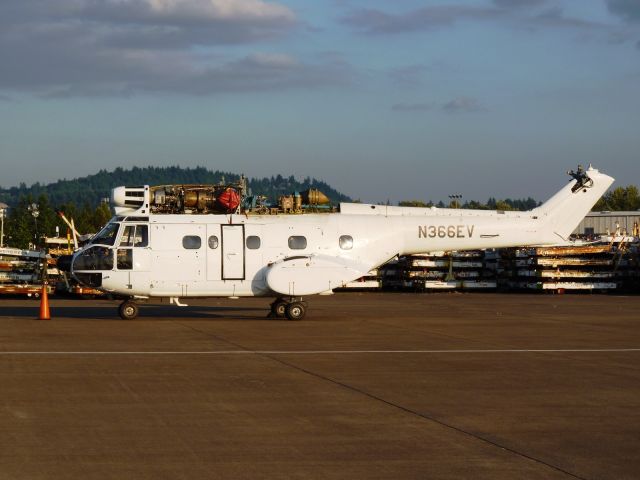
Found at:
(31, 290)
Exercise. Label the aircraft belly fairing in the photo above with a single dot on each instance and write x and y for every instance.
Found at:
(308, 275)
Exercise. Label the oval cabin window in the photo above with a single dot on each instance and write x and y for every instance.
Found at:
(297, 242)
(253, 242)
(191, 242)
(346, 242)
(213, 242)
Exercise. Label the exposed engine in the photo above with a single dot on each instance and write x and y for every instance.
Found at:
(195, 199)
(214, 199)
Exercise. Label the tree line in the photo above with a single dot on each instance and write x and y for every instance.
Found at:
(618, 199)
(92, 189)
(491, 204)
(33, 219)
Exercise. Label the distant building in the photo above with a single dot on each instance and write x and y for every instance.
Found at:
(597, 223)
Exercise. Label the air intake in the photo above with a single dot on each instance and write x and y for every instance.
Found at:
(127, 200)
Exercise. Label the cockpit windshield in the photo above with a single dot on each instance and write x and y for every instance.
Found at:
(106, 236)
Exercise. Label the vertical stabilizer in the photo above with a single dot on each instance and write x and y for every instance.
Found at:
(565, 210)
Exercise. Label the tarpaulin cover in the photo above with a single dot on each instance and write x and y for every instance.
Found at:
(229, 199)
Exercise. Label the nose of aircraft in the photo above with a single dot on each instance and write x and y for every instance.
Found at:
(64, 262)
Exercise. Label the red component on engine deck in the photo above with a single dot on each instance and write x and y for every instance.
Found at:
(229, 199)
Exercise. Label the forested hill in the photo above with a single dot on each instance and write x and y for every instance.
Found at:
(91, 189)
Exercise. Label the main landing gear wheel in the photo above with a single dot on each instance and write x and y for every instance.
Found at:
(128, 310)
(296, 311)
(279, 308)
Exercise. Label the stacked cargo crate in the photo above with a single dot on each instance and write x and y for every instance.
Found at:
(440, 271)
(371, 281)
(571, 267)
(626, 251)
(21, 271)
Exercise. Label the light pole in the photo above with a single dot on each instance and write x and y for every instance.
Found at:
(455, 199)
(3, 212)
(33, 208)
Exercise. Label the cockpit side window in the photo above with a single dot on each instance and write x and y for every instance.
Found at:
(142, 236)
(124, 259)
(127, 236)
(135, 236)
(94, 258)
(107, 236)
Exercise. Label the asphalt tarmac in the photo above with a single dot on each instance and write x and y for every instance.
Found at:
(368, 386)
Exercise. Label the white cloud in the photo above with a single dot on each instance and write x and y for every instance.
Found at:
(234, 10)
(102, 47)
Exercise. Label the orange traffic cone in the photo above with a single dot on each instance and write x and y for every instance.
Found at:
(44, 303)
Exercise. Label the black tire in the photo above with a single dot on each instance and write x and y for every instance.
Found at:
(128, 310)
(296, 311)
(279, 308)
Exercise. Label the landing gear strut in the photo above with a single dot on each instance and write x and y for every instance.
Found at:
(128, 310)
(292, 308)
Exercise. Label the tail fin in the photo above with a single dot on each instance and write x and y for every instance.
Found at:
(565, 210)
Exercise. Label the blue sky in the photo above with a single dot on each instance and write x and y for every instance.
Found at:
(384, 100)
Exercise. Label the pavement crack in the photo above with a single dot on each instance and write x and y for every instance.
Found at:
(389, 403)
(425, 417)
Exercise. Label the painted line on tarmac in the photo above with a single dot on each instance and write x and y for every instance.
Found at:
(328, 352)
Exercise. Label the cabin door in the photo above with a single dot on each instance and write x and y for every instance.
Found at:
(232, 252)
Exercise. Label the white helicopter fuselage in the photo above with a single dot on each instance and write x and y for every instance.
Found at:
(235, 255)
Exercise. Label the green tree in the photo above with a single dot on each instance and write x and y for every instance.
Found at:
(503, 205)
(101, 216)
(47, 219)
(415, 203)
(21, 224)
(475, 205)
(620, 198)
(20, 227)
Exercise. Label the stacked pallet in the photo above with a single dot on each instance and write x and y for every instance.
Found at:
(570, 267)
(440, 271)
(626, 250)
(21, 271)
(371, 281)
(611, 264)
(392, 276)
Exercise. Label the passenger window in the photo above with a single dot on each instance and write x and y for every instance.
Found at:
(253, 242)
(125, 259)
(213, 242)
(297, 242)
(346, 242)
(142, 236)
(191, 242)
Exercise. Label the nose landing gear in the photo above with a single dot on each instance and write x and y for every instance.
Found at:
(292, 308)
(128, 310)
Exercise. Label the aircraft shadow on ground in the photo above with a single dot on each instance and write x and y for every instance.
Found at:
(151, 312)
